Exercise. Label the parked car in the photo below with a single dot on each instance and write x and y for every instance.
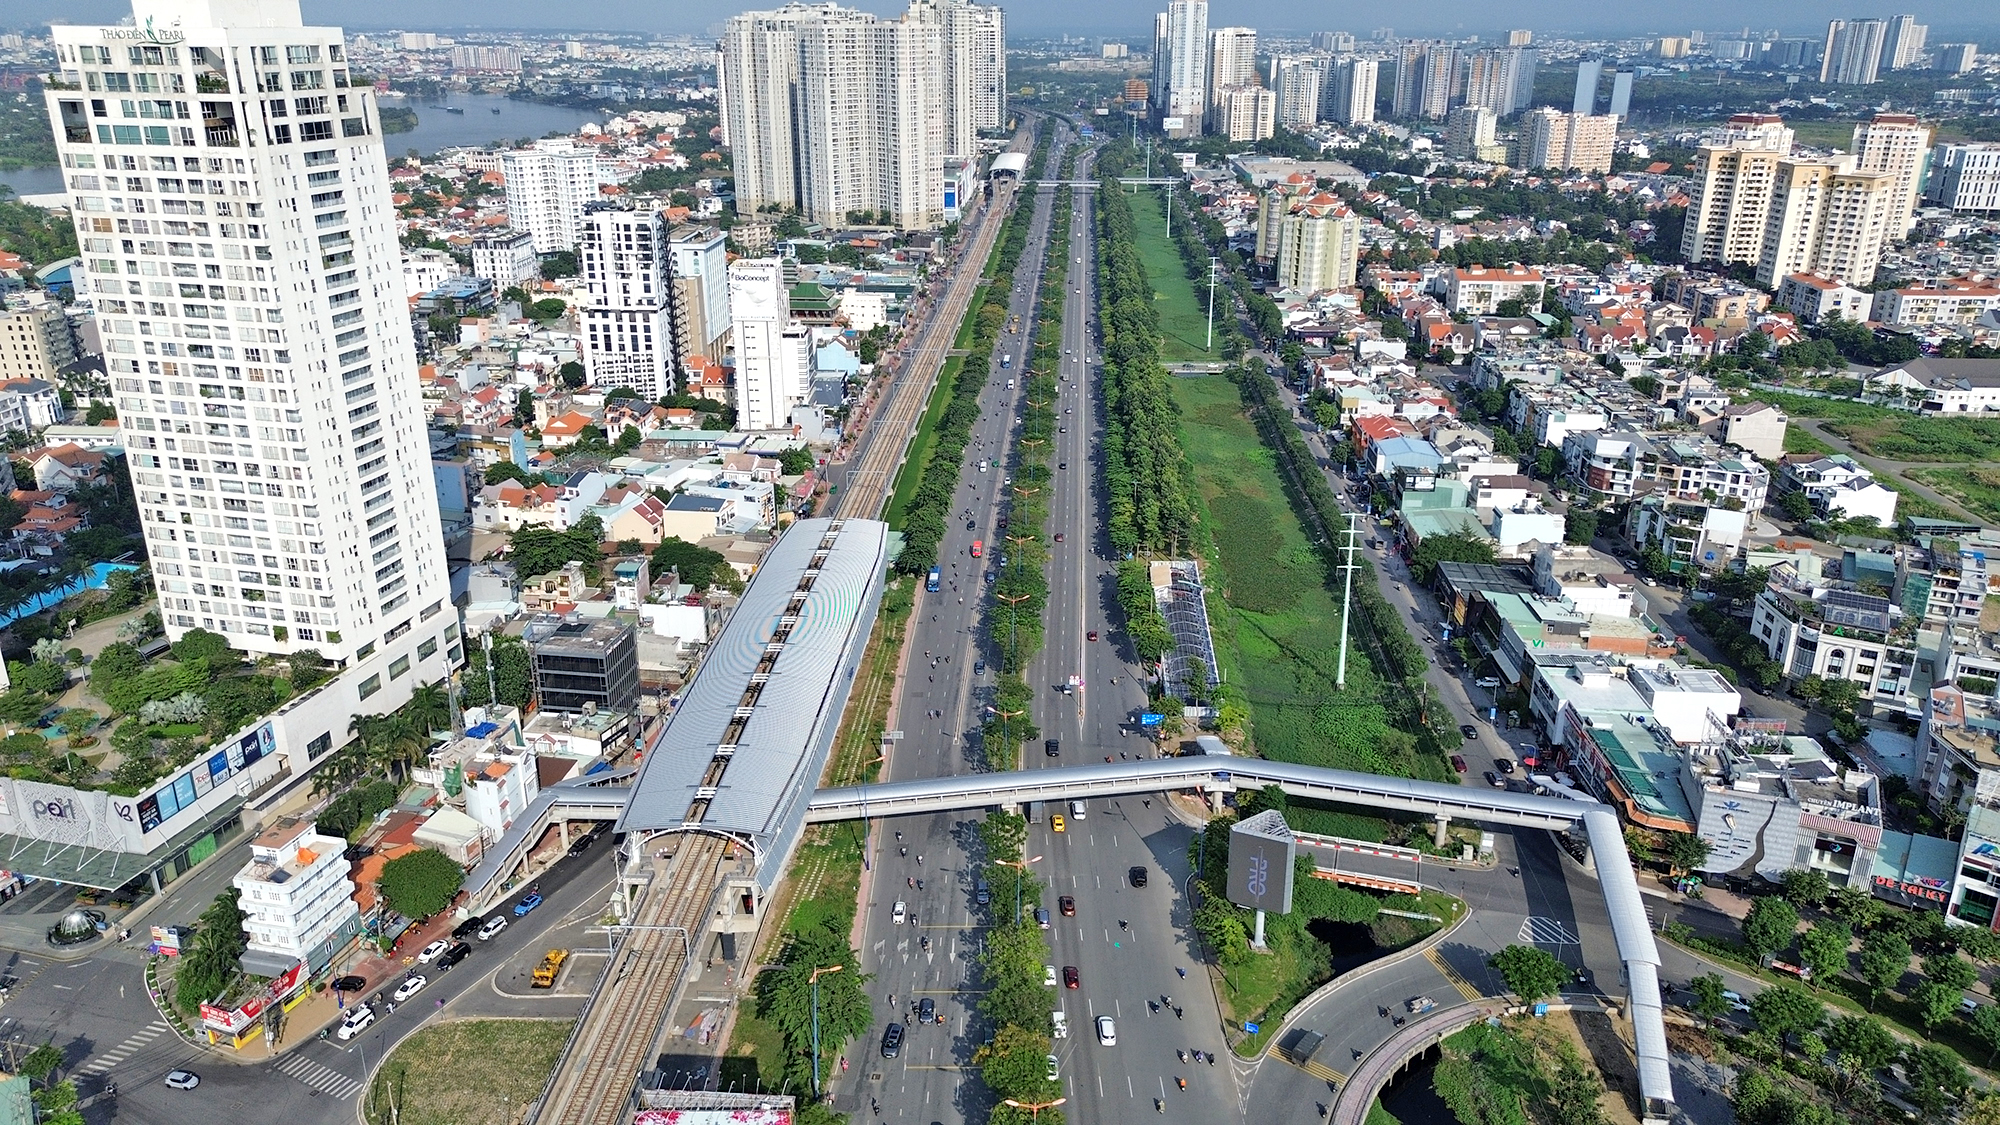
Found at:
(1468, 730)
(464, 930)
(492, 927)
(1458, 763)
(982, 893)
(1495, 780)
(1504, 765)
(1048, 976)
(349, 984)
(435, 949)
(528, 902)
(1042, 917)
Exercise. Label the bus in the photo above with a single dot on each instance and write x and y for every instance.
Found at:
(931, 583)
(978, 548)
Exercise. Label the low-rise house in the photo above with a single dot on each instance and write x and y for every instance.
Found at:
(64, 468)
(1839, 488)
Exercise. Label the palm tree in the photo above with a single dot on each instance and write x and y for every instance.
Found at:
(429, 709)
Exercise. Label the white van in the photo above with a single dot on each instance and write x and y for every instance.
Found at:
(1010, 384)
(1059, 1024)
(1076, 809)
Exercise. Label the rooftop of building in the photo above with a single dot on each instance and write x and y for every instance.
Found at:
(574, 635)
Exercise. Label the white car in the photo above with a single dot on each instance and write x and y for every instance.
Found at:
(1055, 1069)
(1076, 810)
(1059, 1024)
(411, 987)
(493, 926)
(431, 951)
(901, 913)
(1107, 1031)
(1048, 976)
(357, 1021)
(182, 1079)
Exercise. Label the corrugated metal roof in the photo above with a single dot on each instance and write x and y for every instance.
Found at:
(783, 746)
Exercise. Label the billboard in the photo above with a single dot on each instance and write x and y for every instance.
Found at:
(1260, 863)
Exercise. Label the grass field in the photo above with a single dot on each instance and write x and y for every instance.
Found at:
(1279, 640)
(1977, 487)
(1183, 313)
(1798, 439)
(470, 1072)
(1894, 435)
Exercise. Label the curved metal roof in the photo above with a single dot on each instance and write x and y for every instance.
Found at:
(1013, 163)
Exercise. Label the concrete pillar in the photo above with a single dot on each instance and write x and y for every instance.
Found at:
(1443, 822)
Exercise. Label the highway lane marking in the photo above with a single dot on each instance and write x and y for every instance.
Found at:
(1318, 1070)
(1452, 976)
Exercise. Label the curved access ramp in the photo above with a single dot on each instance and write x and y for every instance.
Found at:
(1211, 773)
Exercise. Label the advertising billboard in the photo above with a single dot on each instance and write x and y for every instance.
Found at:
(1260, 863)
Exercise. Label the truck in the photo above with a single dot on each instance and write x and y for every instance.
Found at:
(931, 582)
(552, 963)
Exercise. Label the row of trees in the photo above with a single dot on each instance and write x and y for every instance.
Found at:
(1148, 485)
(1017, 998)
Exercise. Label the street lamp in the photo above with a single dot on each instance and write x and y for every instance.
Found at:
(1018, 879)
(1034, 1108)
(813, 983)
(1013, 615)
(1006, 720)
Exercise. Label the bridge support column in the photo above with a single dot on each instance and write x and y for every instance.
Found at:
(1443, 822)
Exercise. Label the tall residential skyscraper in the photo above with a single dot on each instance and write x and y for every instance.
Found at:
(241, 255)
(1347, 93)
(1752, 203)
(1298, 93)
(1853, 55)
(1587, 74)
(1966, 177)
(834, 111)
(1180, 66)
(1247, 113)
(630, 334)
(1621, 95)
(1553, 139)
(1312, 239)
(1520, 38)
(1501, 79)
(1469, 132)
(701, 283)
(547, 186)
(1232, 63)
(1425, 74)
(1903, 42)
(1955, 58)
(1896, 143)
(774, 353)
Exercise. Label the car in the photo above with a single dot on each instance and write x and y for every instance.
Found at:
(900, 914)
(979, 667)
(1504, 765)
(459, 951)
(1418, 1005)
(1062, 464)
(1059, 1024)
(581, 846)
(1055, 1070)
(1495, 780)
(927, 1010)
(357, 851)
(1048, 976)
(1042, 917)
(1079, 810)
(1072, 978)
(357, 1021)
(1052, 746)
(1059, 536)
(492, 927)
(1003, 523)
(892, 1041)
(411, 987)
(1067, 904)
(1735, 1001)
(1137, 875)
(1488, 682)
(1458, 763)
(983, 893)
(1468, 730)
(971, 525)
(182, 1080)
(1056, 822)
(349, 984)
(436, 949)
(464, 930)
(1092, 634)
(528, 902)
(1107, 1031)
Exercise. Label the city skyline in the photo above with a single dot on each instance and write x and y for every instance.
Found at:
(1127, 19)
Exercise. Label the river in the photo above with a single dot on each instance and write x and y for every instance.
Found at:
(435, 130)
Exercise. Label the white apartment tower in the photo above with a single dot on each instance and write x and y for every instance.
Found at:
(833, 111)
(630, 334)
(1553, 139)
(239, 247)
(1180, 66)
(1903, 42)
(1966, 177)
(1853, 55)
(1896, 143)
(547, 187)
(1311, 238)
(1232, 64)
(506, 258)
(1348, 94)
(774, 355)
(701, 281)
(1298, 93)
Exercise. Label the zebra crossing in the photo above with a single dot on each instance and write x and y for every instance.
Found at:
(1546, 931)
(322, 1078)
(125, 1050)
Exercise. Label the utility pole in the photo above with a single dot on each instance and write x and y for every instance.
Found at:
(1210, 345)
(1346, 596)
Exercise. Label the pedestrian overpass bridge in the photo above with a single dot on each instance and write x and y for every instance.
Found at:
(595, 798)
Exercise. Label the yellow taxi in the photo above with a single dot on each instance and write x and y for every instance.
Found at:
(1056, 822)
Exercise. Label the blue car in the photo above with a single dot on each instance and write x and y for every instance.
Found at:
(533, 900)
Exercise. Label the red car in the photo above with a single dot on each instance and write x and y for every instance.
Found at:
(1067, 905)
(1458, 762)
(1093, 634)
(1071, 979)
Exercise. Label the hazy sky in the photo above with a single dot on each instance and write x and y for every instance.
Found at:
(1951, 20)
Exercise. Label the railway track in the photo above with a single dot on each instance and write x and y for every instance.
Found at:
(867, 487)
(624, 1022)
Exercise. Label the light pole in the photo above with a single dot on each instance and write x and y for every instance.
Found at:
(1019, 879)
(1034, 1108)
(1007, 722)
(1013, 614)
(813, 983)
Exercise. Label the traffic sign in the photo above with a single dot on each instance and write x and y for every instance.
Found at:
(1251, 1028)
(1148, 719)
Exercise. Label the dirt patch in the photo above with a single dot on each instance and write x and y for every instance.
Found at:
(1683, 1039)
(1607, 1043)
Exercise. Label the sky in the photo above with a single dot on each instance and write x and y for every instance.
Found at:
(1131, 20)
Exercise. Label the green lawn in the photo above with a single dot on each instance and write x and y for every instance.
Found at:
(1279, 638)
(467, 1072)
(1183, 313)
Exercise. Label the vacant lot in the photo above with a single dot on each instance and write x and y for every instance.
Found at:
(1183, 313)
(1908, 437)
(472, 1072)
(1977, 487)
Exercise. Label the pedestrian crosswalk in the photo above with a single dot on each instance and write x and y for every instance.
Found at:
(123, 1051)
(322, 1078)
(1537, 930)
(1451, 975)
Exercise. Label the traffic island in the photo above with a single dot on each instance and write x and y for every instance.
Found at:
(467, 1072)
